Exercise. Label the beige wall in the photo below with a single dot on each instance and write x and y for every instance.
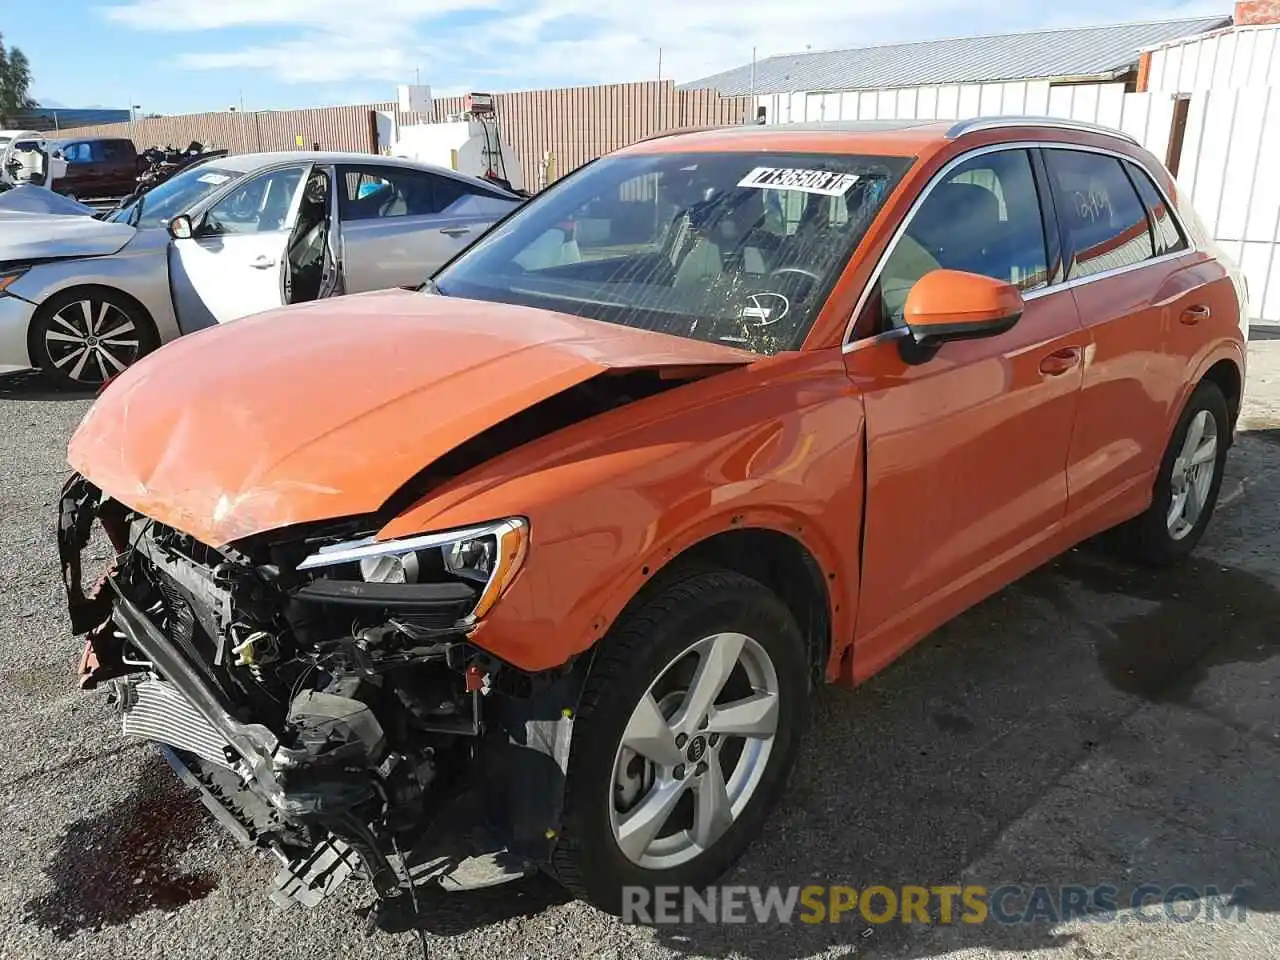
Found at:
(576, 124)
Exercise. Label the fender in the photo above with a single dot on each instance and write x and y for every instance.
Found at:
(610, 504)
(1213, 353)
(840, 567)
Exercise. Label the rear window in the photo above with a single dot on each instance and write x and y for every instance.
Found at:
(1104, 222)
(1168, 236)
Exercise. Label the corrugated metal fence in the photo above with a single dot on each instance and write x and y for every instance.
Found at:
(572, 125)
(1232, 147)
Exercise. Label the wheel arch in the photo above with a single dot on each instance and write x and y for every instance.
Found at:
(778, 560)
(74, 288)
(1229, 379)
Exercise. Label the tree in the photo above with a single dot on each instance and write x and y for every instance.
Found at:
(15, 79)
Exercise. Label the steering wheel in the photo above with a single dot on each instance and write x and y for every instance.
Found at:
(802, 271)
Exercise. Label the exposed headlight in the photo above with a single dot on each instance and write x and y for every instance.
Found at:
(488, 556)
(8, 276)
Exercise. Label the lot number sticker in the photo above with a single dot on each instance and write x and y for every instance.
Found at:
(828, 183)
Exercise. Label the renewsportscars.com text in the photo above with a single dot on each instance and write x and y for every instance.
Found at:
(970, 904)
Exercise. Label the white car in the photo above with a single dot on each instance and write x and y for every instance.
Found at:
(83, 298)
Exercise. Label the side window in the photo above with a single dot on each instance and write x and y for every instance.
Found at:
(115, 150)
(1103, 220)
(446, 192)
(380, 192)
(76, 153)
(258, 205)
(983, 218)
(1168, 236)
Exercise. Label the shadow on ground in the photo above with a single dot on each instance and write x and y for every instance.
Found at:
(33, 385)
(114, 865)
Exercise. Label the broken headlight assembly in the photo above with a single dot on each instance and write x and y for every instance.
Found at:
(484, 558)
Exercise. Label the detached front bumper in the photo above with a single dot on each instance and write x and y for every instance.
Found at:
(15, 319)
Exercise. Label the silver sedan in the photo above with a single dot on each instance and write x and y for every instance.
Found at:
(82, 298)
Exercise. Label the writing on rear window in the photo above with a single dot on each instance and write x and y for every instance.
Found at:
(827, 183)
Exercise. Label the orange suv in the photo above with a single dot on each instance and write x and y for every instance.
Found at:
(538, 566)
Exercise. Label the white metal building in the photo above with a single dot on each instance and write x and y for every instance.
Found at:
(1199, 93)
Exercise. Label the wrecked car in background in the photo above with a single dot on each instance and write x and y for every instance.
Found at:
(82, 298)
(538, 567)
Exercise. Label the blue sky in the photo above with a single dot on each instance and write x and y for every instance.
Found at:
(178, 56)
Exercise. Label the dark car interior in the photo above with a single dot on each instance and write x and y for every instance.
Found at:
(308, 260)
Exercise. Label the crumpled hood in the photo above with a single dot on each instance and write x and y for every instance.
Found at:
(27, 235)
(326, 410)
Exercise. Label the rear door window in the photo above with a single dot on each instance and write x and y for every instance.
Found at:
(1104, 224)
(1168, 235)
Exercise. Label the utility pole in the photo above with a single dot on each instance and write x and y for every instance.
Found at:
(661, 99)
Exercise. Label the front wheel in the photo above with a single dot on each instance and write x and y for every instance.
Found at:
(1187, 485)
(688, 724)
(81, 338)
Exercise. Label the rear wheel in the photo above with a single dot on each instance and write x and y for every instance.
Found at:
(688, 724)
(1187, 485)
(81, 338)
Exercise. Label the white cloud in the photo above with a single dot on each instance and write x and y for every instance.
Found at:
(475, 44)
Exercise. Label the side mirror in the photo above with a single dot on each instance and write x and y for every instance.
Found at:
(180, 227)
(947, 305)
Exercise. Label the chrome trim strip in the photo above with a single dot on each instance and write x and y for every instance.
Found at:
(848, 344)
(354, 550)
(974, 124)
(1113, 272)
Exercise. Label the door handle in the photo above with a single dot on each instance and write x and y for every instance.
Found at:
(1060, 362)
(262, 263)
(1193, 315)
(455, 231)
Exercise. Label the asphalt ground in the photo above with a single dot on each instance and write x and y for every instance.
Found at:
(1089, 725)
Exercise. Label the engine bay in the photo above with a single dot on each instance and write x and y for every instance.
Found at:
(329, 710)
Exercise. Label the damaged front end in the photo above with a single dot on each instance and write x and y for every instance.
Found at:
(319, 691)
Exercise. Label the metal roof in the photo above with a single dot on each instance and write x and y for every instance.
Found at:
(1101, 52)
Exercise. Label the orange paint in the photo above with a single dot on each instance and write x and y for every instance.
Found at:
(970, 468)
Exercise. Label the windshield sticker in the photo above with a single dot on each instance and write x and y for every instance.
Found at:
(214, 178)
(828, 183)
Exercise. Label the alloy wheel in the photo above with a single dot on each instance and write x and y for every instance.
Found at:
(91, 340)
(1193, 474)
(694, 751)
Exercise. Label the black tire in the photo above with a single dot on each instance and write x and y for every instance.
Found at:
(85, 312)
(587, 859)
(1147, 538)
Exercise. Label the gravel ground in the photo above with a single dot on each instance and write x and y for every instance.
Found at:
(1087, 725)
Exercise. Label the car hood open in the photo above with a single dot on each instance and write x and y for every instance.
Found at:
(326, 410)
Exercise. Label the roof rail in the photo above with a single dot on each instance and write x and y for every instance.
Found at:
(696, 128)
(995, 123)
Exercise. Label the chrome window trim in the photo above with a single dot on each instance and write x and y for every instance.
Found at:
(847, 343)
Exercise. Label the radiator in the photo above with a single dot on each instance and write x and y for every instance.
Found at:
(155, 710)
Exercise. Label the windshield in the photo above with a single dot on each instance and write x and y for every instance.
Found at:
(176, 195)
(734, 248)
